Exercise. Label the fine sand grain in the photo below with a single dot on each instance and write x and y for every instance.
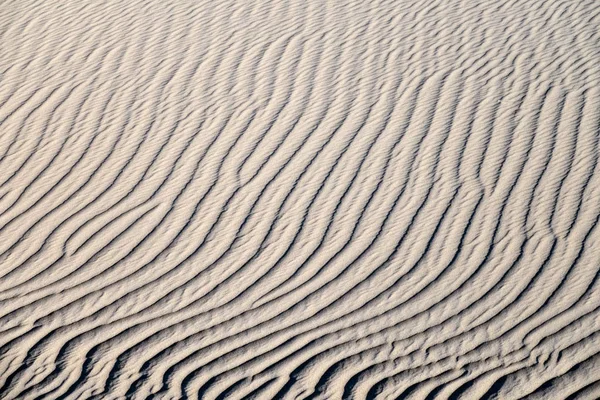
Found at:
(299, 199)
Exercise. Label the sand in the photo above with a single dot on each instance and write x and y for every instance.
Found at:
(315, 199)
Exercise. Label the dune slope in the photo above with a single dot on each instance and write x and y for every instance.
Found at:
(299, 199)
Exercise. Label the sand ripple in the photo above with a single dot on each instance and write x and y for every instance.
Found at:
(299, 199)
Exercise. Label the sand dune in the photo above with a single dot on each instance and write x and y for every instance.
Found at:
(299, 199)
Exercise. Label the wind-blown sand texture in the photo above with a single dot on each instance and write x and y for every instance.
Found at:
(300, 199)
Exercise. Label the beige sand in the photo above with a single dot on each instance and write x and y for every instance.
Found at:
(288, 199)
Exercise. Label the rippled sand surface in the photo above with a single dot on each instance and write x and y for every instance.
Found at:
(299, 199)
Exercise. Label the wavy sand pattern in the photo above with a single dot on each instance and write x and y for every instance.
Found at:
(313, 199)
